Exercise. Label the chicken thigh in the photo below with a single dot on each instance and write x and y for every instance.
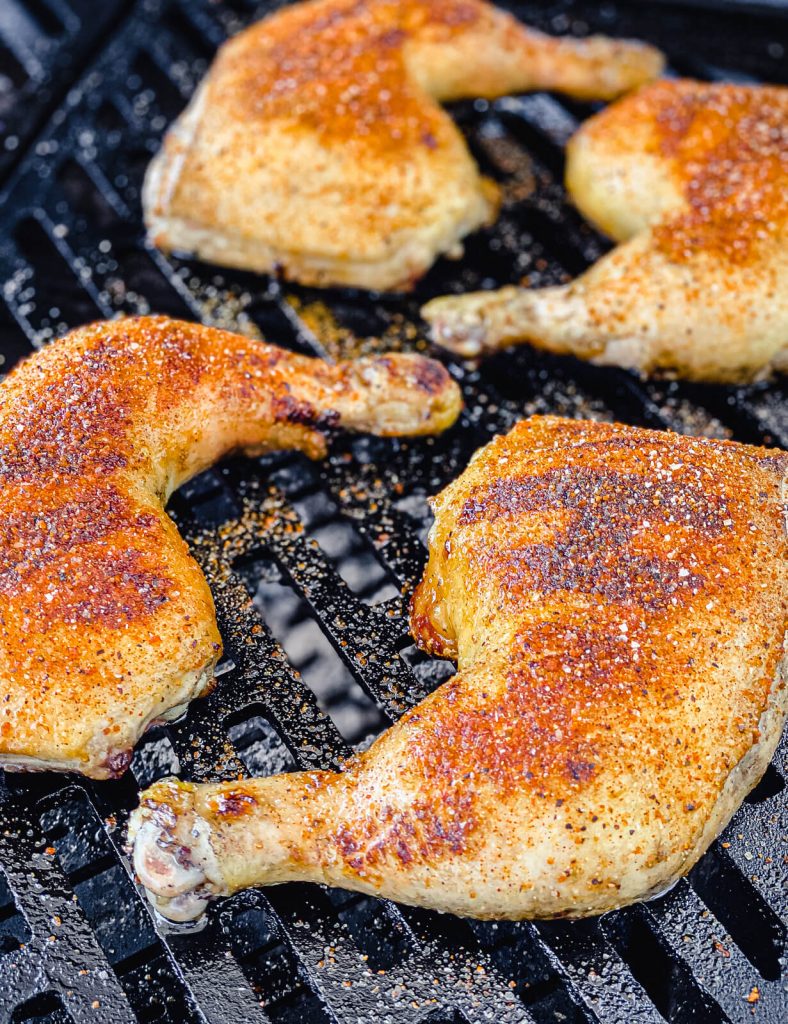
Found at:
(692, 179)
(316, 146)
(616, 600)
(106, 622)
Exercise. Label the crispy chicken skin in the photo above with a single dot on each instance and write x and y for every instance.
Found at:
(316, 146)
(106, 622)
(692, 179)
(616, 600)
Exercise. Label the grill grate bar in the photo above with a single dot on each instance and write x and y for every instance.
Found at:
(603, 981)
(717, 963)
(419, 981)
(215, 981)
(42, 66)
(214, 984)
(62, 944)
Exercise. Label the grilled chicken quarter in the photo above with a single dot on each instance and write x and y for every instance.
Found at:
(692, 180)
(106, 622)
(616, 600)
(316, 146)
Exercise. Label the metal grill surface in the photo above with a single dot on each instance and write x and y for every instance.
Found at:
(311, 566)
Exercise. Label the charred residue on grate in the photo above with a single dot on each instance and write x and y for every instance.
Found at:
(312, 565)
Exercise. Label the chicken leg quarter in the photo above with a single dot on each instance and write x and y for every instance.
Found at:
(616, 600)
(106, 622)
(316, 147)
(692, 179)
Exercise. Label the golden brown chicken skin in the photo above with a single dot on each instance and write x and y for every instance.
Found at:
(106, 622)
(692, 179)
(316, 146)
(616, 600)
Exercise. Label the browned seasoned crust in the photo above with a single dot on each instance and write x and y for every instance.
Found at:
(106, 622)
(316, 146)
(727, 149)
(617, 600)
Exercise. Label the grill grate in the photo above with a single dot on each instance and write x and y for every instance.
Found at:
(309, 565)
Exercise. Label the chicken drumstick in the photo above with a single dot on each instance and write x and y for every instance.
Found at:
(692, 179)
(316, 146)
(616, 599)
(106, 622)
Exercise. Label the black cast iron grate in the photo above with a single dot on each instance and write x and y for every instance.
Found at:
(311, 566)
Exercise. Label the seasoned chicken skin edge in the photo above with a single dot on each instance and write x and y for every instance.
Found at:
(106, 621)
(316, 148)
(691, 179)
(376, 827)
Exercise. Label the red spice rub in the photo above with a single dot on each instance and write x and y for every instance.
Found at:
(615, 599)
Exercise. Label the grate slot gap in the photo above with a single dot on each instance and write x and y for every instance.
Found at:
(85, 197)
(442, 1016)
(667, 980)
(77, 834)
(291, 621)
(753, 925)
(14, 929)
(355, 558)
(276, 327)
(142, 285)
(61, 298)
(44, 1008)
(46, 17)
(166, 96)
(155, 990)
(770, 786)
(116, 914)
(258, 744)
(112, 123)
(536, 143)
(373, 928)
(178, 22)
(429, 672)
(154, 758)
(12, 77)
(272, 969)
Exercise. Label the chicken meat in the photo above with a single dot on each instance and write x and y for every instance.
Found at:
(316, 147)
(692, 180)
(106, 622)
(616, 601)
